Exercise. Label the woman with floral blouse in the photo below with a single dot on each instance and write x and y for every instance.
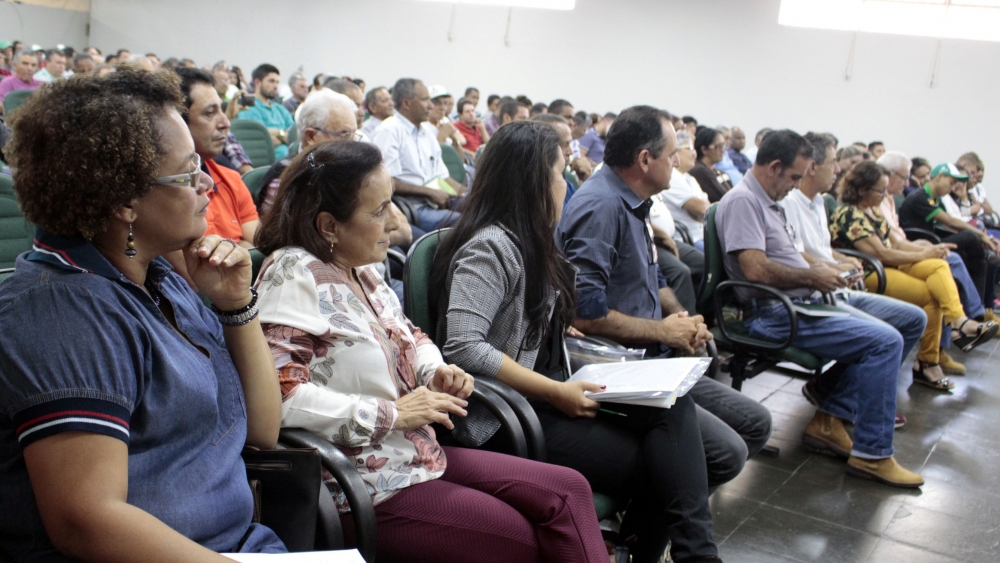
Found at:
(354, 370)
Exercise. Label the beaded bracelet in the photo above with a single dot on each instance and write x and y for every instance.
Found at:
(240, 316)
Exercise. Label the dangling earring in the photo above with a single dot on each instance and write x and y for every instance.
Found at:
(130, 245)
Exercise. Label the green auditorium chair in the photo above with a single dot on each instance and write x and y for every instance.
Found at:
(13, 100)
(16, 234)
(254, 180)
(256, 141)
(452, 160)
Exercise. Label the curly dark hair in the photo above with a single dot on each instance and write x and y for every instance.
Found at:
(85, 147)
(859, 181)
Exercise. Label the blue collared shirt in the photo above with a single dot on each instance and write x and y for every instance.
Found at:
(85, 349)
(604, 232)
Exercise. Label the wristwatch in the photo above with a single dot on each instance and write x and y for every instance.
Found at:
(281, 137)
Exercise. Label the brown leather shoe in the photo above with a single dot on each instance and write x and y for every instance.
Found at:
(825, 434)
(886, 471)
(949, 366)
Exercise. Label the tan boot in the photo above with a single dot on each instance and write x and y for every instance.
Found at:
(825, 434)
(949, 366)
(989, 315)
(886, 471)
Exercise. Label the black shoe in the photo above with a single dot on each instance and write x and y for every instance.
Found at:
(984, 333)
(809, 392)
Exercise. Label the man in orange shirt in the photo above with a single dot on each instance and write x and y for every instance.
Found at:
(232, 213)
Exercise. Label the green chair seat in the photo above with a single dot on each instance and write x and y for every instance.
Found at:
(14, 100)
(16, 234)
(256, 141)
(254, 180)
(453, 161)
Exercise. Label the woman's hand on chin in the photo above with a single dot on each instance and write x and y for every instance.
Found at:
(221, 269)
(452, 380)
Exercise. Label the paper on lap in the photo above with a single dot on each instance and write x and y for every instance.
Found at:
(654, 383)
(346, 556)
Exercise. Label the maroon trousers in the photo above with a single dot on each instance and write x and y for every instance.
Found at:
(490, 507)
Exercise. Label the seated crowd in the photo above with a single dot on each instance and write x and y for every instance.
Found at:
(566, 224)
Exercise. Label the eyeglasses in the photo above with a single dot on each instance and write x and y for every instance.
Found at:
(186, 180)
(880, 193)
(902, 177)
(345, 134)
(716, 146)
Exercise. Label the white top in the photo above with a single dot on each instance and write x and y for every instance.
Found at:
(812, 228)
(411, 154)
(660, 217)
(683, 188)
(368, 127)
(979, 193)
(952, 208)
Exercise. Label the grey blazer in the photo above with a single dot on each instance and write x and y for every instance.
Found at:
(484, 315)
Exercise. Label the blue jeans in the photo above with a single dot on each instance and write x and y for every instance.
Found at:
(432, 219)
(871, 351)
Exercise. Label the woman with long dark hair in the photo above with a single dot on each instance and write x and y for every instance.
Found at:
(504, 291)
(710, 146)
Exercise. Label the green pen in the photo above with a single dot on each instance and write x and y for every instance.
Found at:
(612, 412)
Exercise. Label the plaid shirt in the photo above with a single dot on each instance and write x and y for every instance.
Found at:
(235, 153)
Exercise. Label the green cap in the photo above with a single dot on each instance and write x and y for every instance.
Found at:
(5, 44)
(949, 169)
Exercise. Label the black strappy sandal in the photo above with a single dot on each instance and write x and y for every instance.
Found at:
(943, 384)
(984, 332)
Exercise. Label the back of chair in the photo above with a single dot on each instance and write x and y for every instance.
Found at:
(14, 100)
(715, 272)
(417, 280)
(256, 141)
(254, 180)
(6, 273)
(451, 158)
(16, 234)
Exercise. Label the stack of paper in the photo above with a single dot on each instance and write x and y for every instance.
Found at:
(652, 383)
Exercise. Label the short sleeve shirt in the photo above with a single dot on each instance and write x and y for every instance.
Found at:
(410, 153)
(230, 204)
(273, 116)
(87, 350)
(851, 224)
(919, 209)
(748, 219)
(808, 220)
(12, 83)
(594, 145)
(683, 188)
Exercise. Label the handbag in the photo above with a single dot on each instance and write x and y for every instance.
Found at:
(289, 496)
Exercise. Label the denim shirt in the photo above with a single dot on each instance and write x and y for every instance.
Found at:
(605, 233)
(85, 349)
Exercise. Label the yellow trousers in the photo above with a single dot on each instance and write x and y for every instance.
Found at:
(928, 284)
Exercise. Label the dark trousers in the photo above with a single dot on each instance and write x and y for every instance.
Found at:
(489, 507)
(683, 273)
(653, 456)
(970, 248)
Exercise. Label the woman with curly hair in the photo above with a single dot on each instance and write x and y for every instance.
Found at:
(123, 413)
(915, 274)
(355, 370)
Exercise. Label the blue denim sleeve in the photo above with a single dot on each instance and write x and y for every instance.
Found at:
(588, 235)
(70, 363)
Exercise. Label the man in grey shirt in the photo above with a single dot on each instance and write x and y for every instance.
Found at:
(759, 247)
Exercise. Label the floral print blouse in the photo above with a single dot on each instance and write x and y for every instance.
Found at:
(850, 224)
(342, 363)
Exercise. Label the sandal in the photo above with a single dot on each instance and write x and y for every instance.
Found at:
(943, 384)
(984, 332)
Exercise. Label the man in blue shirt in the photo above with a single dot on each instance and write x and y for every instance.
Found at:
(622, 295)
(593, 141)
(274, 116)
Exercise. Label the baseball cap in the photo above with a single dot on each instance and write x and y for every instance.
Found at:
(437, 91)
(5, 44)
(949, 169)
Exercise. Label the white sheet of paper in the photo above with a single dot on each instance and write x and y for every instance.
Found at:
(345, 556)
(648, 379)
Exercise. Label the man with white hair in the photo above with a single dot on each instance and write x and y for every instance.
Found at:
(25, 66)
(300, 89)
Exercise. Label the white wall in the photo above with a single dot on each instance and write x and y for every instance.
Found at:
(47, 27)
(723, 61)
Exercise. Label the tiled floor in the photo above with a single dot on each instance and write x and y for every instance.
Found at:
(802, 506)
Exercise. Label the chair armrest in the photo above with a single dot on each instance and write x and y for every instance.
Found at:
(875, 263)
(713, 352)
(683, 231)
(922, 234)
(755, 342)
(509, 423)
(347, 476)
(530, 425)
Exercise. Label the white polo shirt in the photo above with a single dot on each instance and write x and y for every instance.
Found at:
(683, 188)
(812, 228)
(410, 153)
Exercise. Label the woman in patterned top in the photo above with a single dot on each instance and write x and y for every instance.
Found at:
(354, 370)
(915, 274)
